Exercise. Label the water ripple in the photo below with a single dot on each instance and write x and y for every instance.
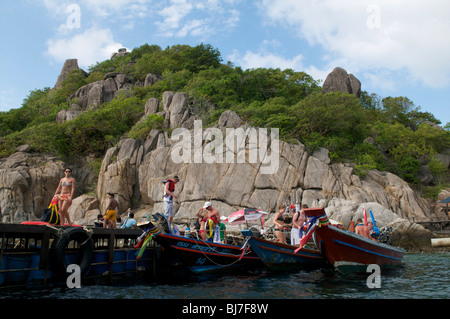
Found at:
(423, 276)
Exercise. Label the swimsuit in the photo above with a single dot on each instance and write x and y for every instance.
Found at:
(64, 197)
(281, 218)
(66, 184)
(111, 214)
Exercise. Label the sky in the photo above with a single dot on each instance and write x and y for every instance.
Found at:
(394, 47)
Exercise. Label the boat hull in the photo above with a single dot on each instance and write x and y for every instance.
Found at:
(347, 251)
(279, 256)
(32, 253)
(202, 257)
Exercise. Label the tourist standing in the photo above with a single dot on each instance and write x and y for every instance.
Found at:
(64, 193)
(279, 223)
(112, 211)
(169, 196)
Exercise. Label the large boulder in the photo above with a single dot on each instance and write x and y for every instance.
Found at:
(27, 184)
(91, 95)
(340, 81)
(80, 206)
(69, 65)
(230, 119)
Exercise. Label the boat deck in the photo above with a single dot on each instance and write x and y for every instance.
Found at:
(25, 249)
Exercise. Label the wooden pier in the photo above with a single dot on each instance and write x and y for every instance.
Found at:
(441, 225)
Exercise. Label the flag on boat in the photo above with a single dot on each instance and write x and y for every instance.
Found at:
(365, 216)
(375, 228)
(314, 222)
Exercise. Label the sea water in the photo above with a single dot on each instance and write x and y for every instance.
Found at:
(422, 276)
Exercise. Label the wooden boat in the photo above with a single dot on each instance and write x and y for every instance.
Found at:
(347, 251)
(37, 253)
(278, 256)
(200, 256)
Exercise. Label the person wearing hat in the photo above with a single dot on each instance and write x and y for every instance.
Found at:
(210, 218)
(169, 188)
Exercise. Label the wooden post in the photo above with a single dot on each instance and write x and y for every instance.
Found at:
(111, 244)
(43, 258)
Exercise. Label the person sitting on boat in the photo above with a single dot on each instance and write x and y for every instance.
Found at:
(279, 223)
(362, 229)
(374, 233)
(99, 221)
(129, 222)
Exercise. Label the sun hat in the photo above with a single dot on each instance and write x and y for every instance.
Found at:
(207, 204)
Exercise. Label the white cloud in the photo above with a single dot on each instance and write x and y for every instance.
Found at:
(199, 18)
(123, 13)
(384, 35)
(173, 15)
(56, 8)
(91, 46)
(263, 59)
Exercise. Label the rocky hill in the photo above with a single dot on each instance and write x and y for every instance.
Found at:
(135, 168)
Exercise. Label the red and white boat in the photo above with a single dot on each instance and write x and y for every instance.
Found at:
(347, 251)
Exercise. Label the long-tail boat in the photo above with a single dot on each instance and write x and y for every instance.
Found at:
(347, 251)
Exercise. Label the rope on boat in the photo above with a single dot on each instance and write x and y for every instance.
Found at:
(61, 232)
(237, 260)
(89, 232)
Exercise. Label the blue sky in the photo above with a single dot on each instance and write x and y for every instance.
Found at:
(394, 47)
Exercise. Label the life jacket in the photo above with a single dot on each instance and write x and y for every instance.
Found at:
(171, 187)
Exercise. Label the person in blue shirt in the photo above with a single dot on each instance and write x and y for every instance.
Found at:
(129, 222)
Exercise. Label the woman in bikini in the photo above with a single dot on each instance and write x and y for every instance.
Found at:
(64, 193)
(278, 221)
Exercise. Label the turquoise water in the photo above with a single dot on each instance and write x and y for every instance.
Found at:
(423, 276)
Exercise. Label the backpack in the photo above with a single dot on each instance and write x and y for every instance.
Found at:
(50, 214)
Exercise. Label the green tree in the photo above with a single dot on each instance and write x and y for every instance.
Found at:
(143, 127)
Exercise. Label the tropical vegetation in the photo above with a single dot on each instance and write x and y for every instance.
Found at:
(389, 133)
